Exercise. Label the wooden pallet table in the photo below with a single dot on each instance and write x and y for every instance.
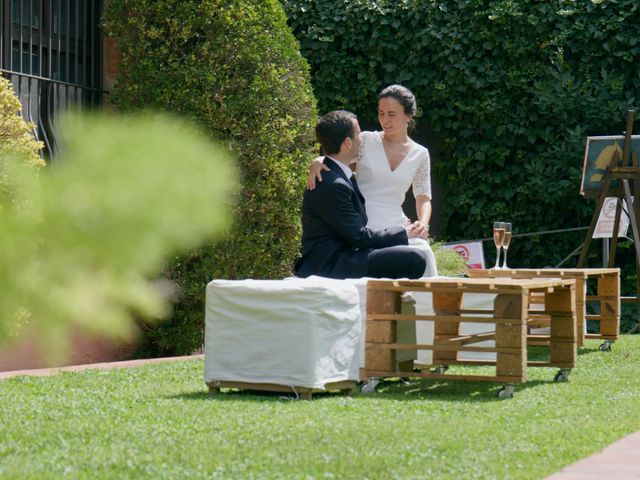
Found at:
(509, 315)
(607, 287)
(303, 393)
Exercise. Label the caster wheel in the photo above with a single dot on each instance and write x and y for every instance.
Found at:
(506, 392)
(369, 387)
(605, 346)
(561, 376)
(440, 369)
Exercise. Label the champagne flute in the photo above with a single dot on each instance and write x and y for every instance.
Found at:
(506, 240)
(498, 238)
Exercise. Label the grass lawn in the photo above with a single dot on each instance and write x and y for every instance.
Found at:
(159, 422)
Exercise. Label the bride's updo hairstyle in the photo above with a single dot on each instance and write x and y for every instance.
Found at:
(406, 98)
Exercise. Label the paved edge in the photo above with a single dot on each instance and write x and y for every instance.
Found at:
(620, 460)
(45, 372)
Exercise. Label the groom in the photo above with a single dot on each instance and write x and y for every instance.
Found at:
(336, 242)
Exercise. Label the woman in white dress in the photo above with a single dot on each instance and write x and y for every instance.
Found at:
(390, 162)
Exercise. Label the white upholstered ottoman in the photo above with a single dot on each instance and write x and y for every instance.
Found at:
(294, 335)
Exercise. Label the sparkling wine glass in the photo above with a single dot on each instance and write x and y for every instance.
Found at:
(498, 238)
(506, 240)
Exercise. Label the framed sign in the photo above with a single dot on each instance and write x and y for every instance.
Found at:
(470, 251)
(606, 219)
(600, 152)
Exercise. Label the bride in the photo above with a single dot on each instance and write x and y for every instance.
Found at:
(389, 163)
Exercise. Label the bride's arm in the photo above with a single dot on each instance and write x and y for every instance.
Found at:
(317, 167)
(422, 192)
(315, 172)
(423, 208)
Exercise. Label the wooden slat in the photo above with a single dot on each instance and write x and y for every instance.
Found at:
(541, 323)
(538, 336)
(545, 271)
(473, 338)
(437, 376)
(444, 348)
(380, 317)
(601, 297)
(443, 304)
(474, 363)
(564, 338)
(597, 336)
(507, 284)
(609, 287)
(485, 363)
(601, 317)
(553, 313)
(386, 303)
(453, 289)
(511, 345)
(274, 387)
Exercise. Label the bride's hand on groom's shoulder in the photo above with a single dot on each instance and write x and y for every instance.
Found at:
(315, 172)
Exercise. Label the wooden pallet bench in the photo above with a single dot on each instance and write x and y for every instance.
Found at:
(607, 297)
(510, 317)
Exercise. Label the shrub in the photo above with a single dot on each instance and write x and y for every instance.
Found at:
(16, 139)
(234, 68)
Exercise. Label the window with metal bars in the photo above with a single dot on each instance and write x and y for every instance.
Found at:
(51, 50)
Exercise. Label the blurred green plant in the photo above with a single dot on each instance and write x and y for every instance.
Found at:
(94, 231)
(16, 139)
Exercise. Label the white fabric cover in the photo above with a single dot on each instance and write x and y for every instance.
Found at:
(303, 332)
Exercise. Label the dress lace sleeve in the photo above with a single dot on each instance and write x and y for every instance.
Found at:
(364, 137)
(422, 177)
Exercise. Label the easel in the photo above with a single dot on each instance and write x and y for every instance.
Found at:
(625, 171)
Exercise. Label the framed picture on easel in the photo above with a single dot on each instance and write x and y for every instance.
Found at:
(601, 152)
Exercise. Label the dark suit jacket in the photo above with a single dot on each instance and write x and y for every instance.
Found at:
(335, 239)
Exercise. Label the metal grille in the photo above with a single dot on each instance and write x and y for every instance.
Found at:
(51, 50)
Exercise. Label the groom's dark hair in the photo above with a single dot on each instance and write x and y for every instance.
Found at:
(332, 128)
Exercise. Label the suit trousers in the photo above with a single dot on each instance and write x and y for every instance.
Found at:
(396, 262)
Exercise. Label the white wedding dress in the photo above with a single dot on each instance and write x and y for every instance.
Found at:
(384, 190)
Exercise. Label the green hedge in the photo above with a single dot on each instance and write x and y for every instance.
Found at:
(509, 90)
(234, 68)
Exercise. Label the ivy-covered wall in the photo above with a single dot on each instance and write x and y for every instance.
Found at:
(509, 91)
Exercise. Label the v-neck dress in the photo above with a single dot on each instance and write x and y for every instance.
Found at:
(384, 189)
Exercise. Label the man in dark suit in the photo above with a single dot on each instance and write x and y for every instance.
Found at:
(336, 242)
